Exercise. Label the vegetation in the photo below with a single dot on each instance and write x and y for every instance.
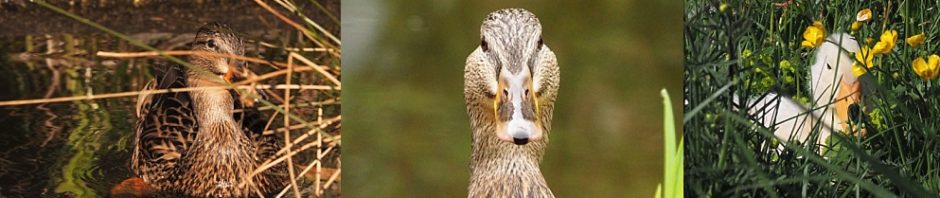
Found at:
(749, 48)
(298, 74)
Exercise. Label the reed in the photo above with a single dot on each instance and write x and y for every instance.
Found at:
(306, 95)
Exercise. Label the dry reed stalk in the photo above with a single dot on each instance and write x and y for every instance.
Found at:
(293, 49)
(325, 74)
(156, 91)
(331, 101)
(334, 177)
(270, 163)
(288, 144)
(308, 168)
(316, 179)
(300, 28)
(305, 135)
(277, 65)
(293, 8)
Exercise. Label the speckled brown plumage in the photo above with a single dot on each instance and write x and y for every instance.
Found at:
(194, 143)
(510, 42)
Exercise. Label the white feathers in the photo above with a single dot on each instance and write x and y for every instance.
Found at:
(831, 72)
(833, 66)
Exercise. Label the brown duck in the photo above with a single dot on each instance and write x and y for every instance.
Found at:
(195, 143)
(510, 85)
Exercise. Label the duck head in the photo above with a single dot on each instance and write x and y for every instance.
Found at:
(217, 38)
(511, 79)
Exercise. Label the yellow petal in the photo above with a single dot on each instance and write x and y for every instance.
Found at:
(813, 35)
(807, 44)
(860, 56)
(886, 43)
(723, 7)
(926, 70)
(863, 58)
(856, 25)
(933, 61)
(889, 36)
(879, 48)
(916, 40)
(933, 67)
(858, 70)
(919, 66)
(863, 15)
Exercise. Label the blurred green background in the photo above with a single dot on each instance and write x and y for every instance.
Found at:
(406, 125)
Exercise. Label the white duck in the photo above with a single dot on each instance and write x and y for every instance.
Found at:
(834, 88)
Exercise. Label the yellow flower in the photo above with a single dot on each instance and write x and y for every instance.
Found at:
(864, 58)
(856, 25)
(858, 70)
(916, 40)
(927, 70)
(813, 35)
(886, 44)
(723, 7)
(863, 15)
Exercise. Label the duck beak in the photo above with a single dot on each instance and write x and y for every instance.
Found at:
(230, 74)
(849, 94)
(515, 108)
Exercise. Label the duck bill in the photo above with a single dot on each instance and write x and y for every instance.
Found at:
(851, 91)
(229, 76)
(515, 108)
(849, 94)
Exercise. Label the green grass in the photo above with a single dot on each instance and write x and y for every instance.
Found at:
(739, 51)
(672, 167)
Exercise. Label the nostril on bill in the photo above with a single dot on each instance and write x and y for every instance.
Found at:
(520, 138)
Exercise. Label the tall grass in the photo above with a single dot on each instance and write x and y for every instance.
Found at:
(750, 48)
(672, 168)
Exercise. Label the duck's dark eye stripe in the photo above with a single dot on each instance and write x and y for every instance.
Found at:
(540, 43)
(489, 94)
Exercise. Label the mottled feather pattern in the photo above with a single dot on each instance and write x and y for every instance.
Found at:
(194, 143)
(165, 127)
(512, 39)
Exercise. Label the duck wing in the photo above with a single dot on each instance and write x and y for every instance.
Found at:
(165, 129)
(253, 124)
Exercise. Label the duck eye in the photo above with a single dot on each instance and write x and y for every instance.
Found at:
(540, 43)
(527, 92)
(505, 92)
(484, 45)
(210, 44)
(828, 66)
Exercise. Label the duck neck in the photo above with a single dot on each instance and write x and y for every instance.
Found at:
(219, 142)
(500, 168)
(214, 109)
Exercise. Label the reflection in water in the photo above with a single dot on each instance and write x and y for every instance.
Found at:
(81, 148)
(76, 148)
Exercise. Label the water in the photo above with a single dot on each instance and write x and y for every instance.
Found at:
(82, 148)
(78, 148)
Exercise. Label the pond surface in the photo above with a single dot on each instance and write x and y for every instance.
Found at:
(82, 148)
(69, 148)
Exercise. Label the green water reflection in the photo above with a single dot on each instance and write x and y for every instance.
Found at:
(405, 118)
(76, 148)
